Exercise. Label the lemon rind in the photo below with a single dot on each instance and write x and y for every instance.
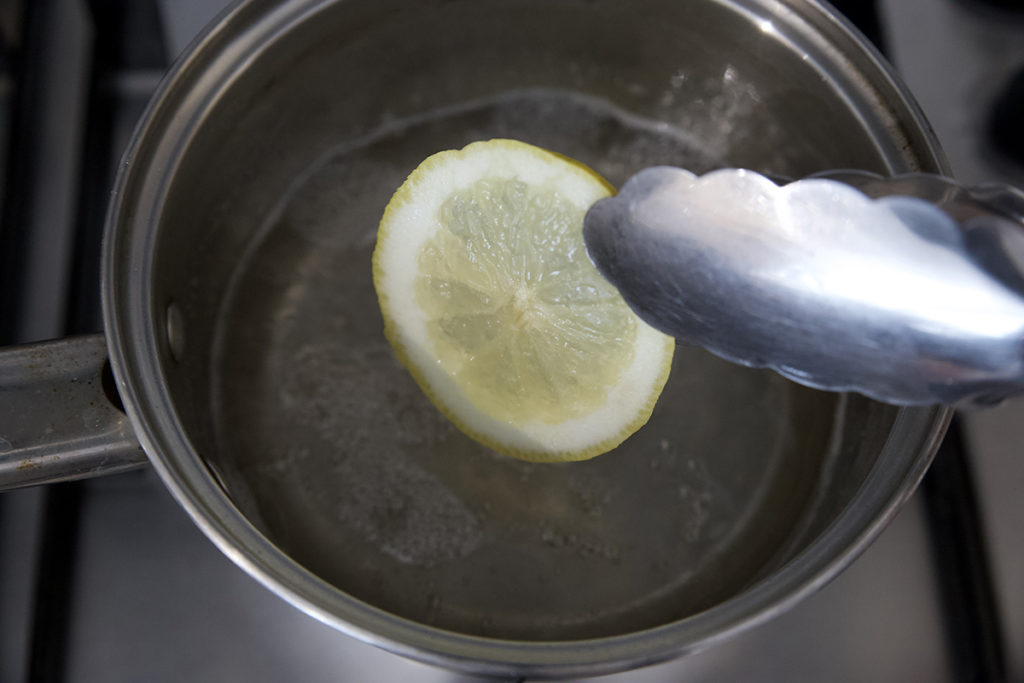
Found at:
(531, 441)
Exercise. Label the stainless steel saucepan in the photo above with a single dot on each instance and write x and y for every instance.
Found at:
(243, 337)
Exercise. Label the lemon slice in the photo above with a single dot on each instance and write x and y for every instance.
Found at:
(490, 301)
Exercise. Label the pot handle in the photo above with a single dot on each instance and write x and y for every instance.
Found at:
(60, 415)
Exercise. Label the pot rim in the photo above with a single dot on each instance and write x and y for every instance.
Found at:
(135, 346)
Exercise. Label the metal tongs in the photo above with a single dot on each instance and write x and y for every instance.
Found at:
(908, 289)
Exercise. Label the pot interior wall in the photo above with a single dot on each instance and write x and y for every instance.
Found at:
(282, 376)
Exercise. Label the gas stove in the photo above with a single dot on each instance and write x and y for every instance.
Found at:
(109, 580)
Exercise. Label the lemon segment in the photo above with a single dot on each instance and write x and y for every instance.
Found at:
(491, 302)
